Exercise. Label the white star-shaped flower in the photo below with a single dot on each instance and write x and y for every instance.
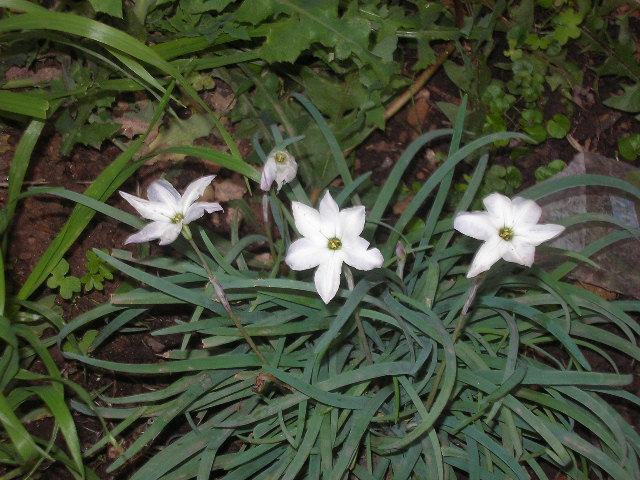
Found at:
(330, 236)
(509, 229)
(168, 210)
(281, 167)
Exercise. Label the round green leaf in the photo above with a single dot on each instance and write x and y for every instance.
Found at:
(630, 146)
(558, 126)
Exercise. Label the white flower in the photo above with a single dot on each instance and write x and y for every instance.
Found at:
(281, 167)
(509, 229)
(168, 210)
(331, 236)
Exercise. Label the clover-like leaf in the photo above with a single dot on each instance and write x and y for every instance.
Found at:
(548, 171)
(67, 285)
(97, 272)
(567, 25)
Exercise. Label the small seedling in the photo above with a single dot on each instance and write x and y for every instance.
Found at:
(82, 346)
(548, 171)
(68, 285)
(97, 272)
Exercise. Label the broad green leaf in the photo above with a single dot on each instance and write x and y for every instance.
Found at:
(110, 7)
(23, 104)
(629, 101)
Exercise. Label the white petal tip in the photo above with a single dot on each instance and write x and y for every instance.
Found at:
(134, 239)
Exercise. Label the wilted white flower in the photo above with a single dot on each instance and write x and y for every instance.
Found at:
(509, 229)
(281, 167)
(330, 237)
(168, 210)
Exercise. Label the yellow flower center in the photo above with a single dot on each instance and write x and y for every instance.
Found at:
(281, 157)
(335, 244)
(506, 233)
(177, 218)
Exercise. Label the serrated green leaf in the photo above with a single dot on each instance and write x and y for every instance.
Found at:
(110, 7)
(332, 96)
(94, 134)
(285, 42)
(386, 47)
(310, 23)
(182, 132)
(255, 11)
(629, 101)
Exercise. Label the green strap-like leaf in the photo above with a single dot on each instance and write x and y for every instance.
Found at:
(23, 104)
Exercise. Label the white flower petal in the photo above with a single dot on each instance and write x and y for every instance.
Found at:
(357, 256)
(327, 276)
(194, 191)
(283, 171)
(286, 172)
(318, 248)
(161, 191)
(478, 225)
(519, 252)
(170, 233)
(536, 234)
(268, 174)
(488, 254)
(525, 211)
(197, 210)
(329, 216)
(307, 220)
(520, 216)
(151, 231)
(499, 207)
(168, 210)
(304, 253)
(350, 222)
(158, 212)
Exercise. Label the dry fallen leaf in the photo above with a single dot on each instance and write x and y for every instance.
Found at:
(42, 75)
(601, 292)
(226, 190)
(401, 206)
(419, 110)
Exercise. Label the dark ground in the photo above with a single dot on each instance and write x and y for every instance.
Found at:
(38, 220)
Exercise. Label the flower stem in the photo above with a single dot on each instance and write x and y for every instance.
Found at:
(436, 383)
(457, 333)
(361, 333)
(222, 296)
(267, 225)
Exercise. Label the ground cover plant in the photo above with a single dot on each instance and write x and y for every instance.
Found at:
(391, 350)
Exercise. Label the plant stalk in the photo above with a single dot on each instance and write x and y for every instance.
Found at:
(267, 225)
(222, 296)
(361, 333)
(457, 333)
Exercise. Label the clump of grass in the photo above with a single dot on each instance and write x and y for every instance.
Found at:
(498, 395)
